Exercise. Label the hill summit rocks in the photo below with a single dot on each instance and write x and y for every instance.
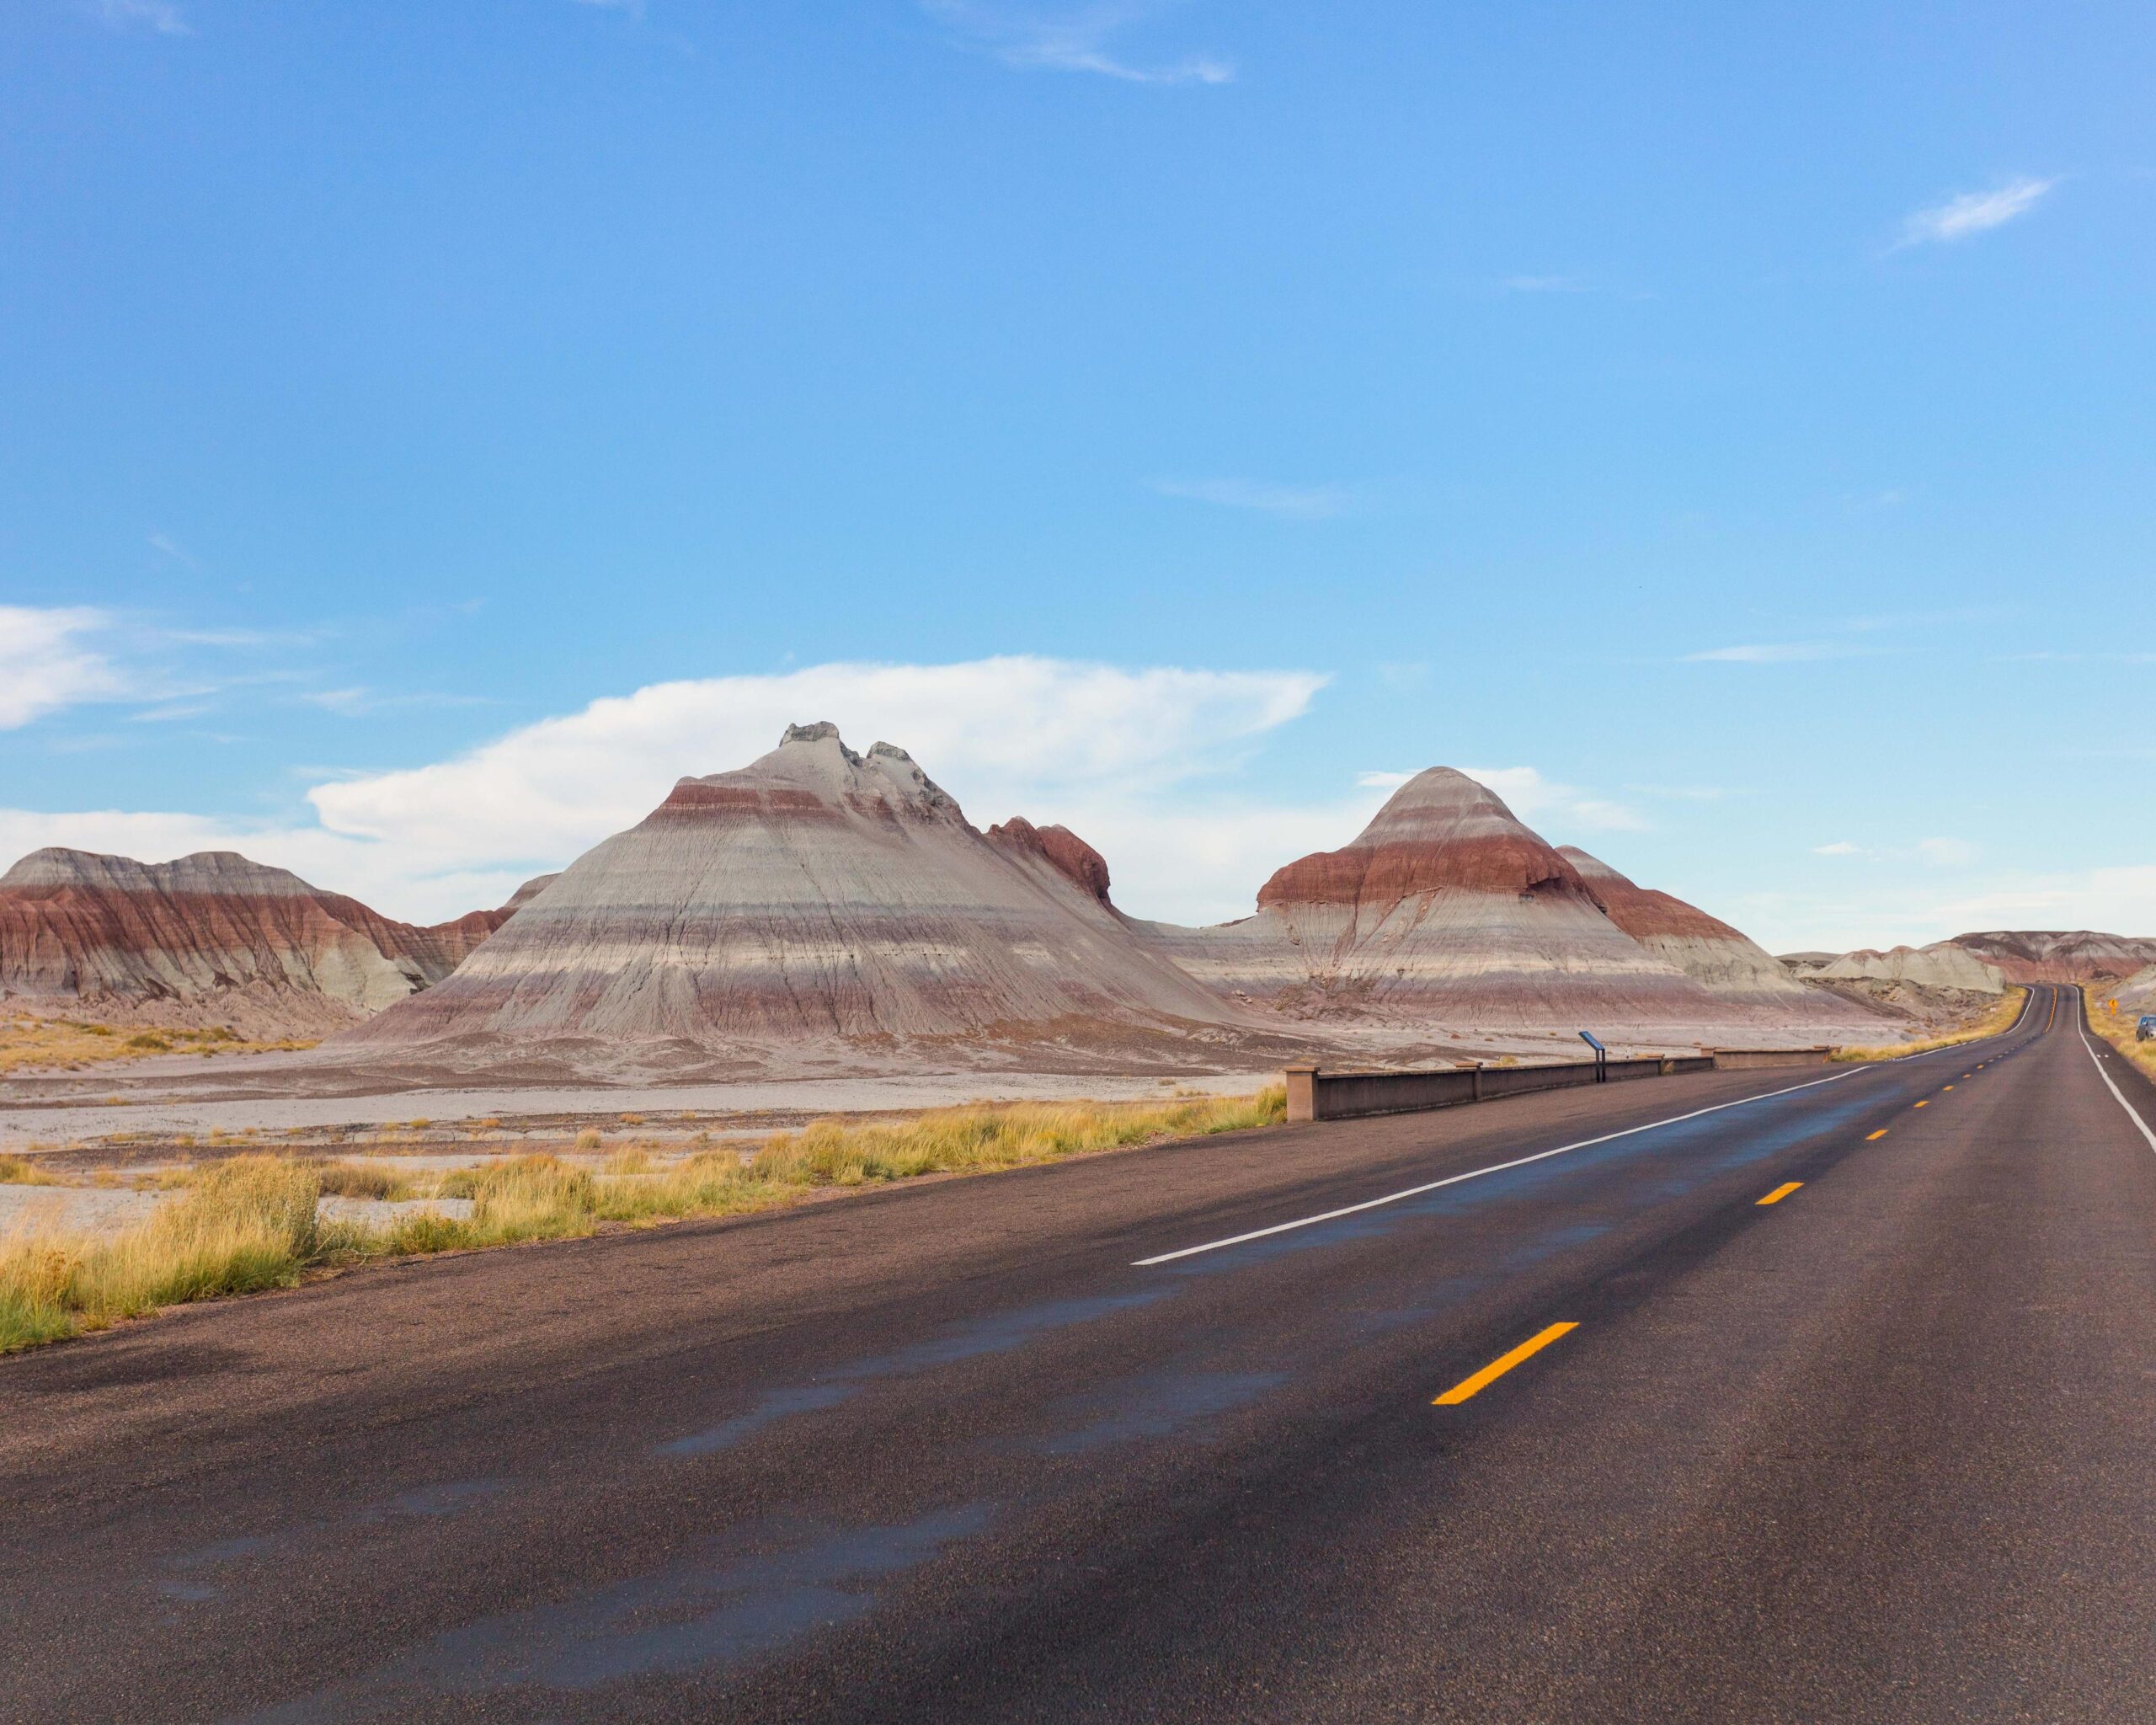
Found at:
(212, 938)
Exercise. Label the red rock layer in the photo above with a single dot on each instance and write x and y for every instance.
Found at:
(1062, 849)
(1641, 911)
(1442, 833)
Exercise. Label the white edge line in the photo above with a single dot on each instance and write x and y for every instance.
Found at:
(1332, 1215)
(2117, 1096)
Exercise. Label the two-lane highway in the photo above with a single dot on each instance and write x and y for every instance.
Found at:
(1787, 1395)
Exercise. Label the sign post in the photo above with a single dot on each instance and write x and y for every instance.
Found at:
(1601, 1057)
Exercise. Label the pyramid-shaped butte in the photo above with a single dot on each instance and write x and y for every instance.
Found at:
(1705, 948)
(816, 893)
(1446, 908)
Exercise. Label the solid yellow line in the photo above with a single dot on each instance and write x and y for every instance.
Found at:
(1781, 1191)
(1881, 1133)
(1498, 1367)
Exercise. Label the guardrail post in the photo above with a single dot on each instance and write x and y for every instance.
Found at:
(1302, 1093)
(1475, 1086)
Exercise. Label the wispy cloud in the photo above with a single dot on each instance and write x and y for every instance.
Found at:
(358, 702)
(1840, 847)
(1302, 503)
(1072, 41)
(1972, 213)
(160, 16)
(166, 545)
(46, 662)
(1547, 283)
(1778, 652)
(1535, 799)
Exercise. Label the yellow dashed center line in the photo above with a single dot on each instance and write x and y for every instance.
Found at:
(1498, 1367)
(1881, 1133)
(1925, 1104)
(1781, 1191)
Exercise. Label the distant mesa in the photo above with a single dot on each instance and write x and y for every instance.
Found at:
(831, 909)
(212, 938)
(2079, 955)
(1943, 964)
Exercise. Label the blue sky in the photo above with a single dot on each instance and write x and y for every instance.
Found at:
(1726, 427)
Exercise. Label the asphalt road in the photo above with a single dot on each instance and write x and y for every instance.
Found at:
(1884, 1449)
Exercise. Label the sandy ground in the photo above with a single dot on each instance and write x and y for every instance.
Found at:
(90, 1209)
(25, 1124)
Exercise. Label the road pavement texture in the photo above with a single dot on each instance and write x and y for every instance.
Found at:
(1800, 1395)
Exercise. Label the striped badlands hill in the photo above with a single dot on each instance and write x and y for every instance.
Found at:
(1445, 910)
(2077, 955)
(1713, 954)
(815, 895)
(211, 939)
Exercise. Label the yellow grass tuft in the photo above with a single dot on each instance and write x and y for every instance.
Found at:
(2007, 1009)
(244, 1224)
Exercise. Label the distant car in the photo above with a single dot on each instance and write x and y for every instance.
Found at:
(2145, 1031)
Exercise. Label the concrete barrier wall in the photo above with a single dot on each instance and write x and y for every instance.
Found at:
(1746, 1060)
(1315, 1094)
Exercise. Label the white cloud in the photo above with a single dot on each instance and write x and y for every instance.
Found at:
(1304, 503)
(1974, 212)
(1840, 847)
(1070, 40)
(1139, 762)
(44, 664)
(160, 16)
(1949, 853)
(1536, 799)
(1382, 781)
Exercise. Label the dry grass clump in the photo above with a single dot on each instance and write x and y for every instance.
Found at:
(20, 1171)
(2002, 1015)
(28, 1041)
(361, 1180)
(246, 1223)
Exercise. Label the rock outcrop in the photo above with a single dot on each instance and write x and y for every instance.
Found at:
(213, 937)
(1446, 910)
(1718, 957)
(815, 895)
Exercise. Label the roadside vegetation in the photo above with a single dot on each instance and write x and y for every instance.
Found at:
(2117, 1029)
(2007, 1009)
(28, 1043)
(251, 1222)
